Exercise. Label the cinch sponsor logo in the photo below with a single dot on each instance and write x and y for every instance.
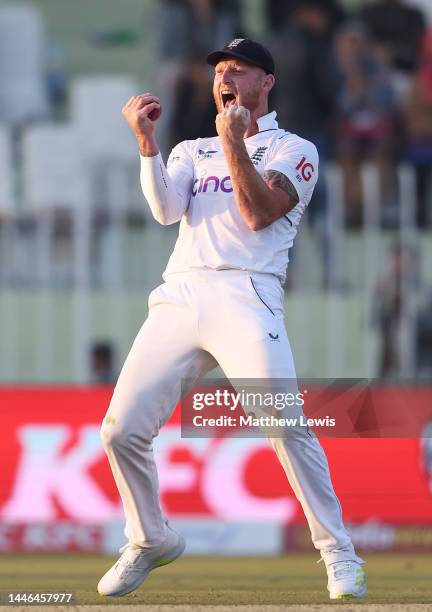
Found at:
(213, 184)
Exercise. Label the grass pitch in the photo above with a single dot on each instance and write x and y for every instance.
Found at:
(296, 579)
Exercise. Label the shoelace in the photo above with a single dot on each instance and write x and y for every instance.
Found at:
(128, 558)
(341, 570)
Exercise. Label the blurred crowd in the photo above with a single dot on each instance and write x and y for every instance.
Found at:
(356, 83)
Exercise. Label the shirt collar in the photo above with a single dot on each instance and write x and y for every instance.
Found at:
(267, 122)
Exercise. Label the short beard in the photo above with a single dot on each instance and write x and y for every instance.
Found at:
(251, 100)
(217, 101)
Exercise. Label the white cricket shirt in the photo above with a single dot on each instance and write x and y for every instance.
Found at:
(213, 234)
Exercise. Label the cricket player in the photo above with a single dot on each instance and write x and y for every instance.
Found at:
(239, 198)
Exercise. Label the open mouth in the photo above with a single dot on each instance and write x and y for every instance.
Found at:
(228, 99)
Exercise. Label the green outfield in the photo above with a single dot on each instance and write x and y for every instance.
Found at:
(292, 580)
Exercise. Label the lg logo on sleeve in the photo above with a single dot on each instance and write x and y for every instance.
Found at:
(305, 168)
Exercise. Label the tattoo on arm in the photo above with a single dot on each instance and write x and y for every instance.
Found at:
(273, 178)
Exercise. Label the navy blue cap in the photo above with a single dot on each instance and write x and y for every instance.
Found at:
(247, 50)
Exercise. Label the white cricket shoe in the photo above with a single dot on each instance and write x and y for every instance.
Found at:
(136, 563)
(346, 580)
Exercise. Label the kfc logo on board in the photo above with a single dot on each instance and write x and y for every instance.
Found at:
(59, 466)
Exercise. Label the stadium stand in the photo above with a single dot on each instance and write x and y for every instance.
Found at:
(23, 95)
(79, 249)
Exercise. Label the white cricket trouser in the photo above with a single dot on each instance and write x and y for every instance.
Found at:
(196, 321)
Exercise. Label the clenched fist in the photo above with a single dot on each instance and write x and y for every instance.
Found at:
(141, 112)
(232, 122)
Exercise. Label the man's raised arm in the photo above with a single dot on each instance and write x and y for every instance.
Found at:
(167, 198)
(260, 200)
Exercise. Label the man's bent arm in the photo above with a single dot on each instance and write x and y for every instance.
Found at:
(167, 198)
(261, 200)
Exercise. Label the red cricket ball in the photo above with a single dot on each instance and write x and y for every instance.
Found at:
(155, 114)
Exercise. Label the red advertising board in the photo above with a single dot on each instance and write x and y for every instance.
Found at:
(54, 468)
